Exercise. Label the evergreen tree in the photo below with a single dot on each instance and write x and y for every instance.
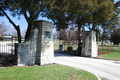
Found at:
(4, 6)
(102, 11)
(109, 25)
(30, 9)
(68, 12)
(95, 12)
(115, 36)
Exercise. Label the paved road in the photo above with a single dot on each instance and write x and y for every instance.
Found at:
(105, 69)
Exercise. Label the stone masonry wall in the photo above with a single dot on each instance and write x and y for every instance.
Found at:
(89, 46)
(94, 45)
(45, 53)
(86, 44)
(25, 53)
(39, 46)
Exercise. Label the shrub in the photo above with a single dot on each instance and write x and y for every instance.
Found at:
(1, 38)
(69, 48)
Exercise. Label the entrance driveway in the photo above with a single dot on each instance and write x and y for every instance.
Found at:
(105, 69)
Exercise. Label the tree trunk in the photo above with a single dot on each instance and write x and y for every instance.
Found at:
(16, 27)
(89, 26)
(93, 26)
(19, 34)
(79, 39)
(102, 43)
(28, 31)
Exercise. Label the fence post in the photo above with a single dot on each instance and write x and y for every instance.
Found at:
(102, 49)
(107, 48)
(112, 48)
(12, 46)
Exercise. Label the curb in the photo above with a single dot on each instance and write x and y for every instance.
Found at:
(97, 77)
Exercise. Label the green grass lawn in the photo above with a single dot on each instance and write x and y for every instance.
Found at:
(116, 49)
(115, 56)
(56, 45)
(50, 72)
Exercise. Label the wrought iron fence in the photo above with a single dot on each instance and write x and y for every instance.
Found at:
(7, 47)
(105, 49)
(108, 49)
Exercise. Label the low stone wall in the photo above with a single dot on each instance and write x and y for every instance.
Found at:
(25, 53)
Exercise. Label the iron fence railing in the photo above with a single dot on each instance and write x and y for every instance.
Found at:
(108, 49)
(6, 48)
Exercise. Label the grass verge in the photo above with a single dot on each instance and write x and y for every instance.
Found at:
(50, 72)
(116, 49)
(115, 56)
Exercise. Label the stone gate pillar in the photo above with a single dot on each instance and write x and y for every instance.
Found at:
(45, 53)
(89, 46)
(38, 48)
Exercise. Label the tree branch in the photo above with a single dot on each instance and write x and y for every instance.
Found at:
(25, 15)
(16, 27)
(9, 19)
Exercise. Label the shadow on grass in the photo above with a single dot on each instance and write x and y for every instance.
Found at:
(6, 60)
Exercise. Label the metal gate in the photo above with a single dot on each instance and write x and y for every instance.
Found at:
(7, 47)
(105, 49)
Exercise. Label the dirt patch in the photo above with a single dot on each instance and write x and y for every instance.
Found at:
(99, 53)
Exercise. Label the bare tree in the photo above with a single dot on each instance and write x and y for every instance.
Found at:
(62, 34)
(13, 32)
(68, 33)
(71, 33)
(3, 29)
(55, 35)
(23, 33)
